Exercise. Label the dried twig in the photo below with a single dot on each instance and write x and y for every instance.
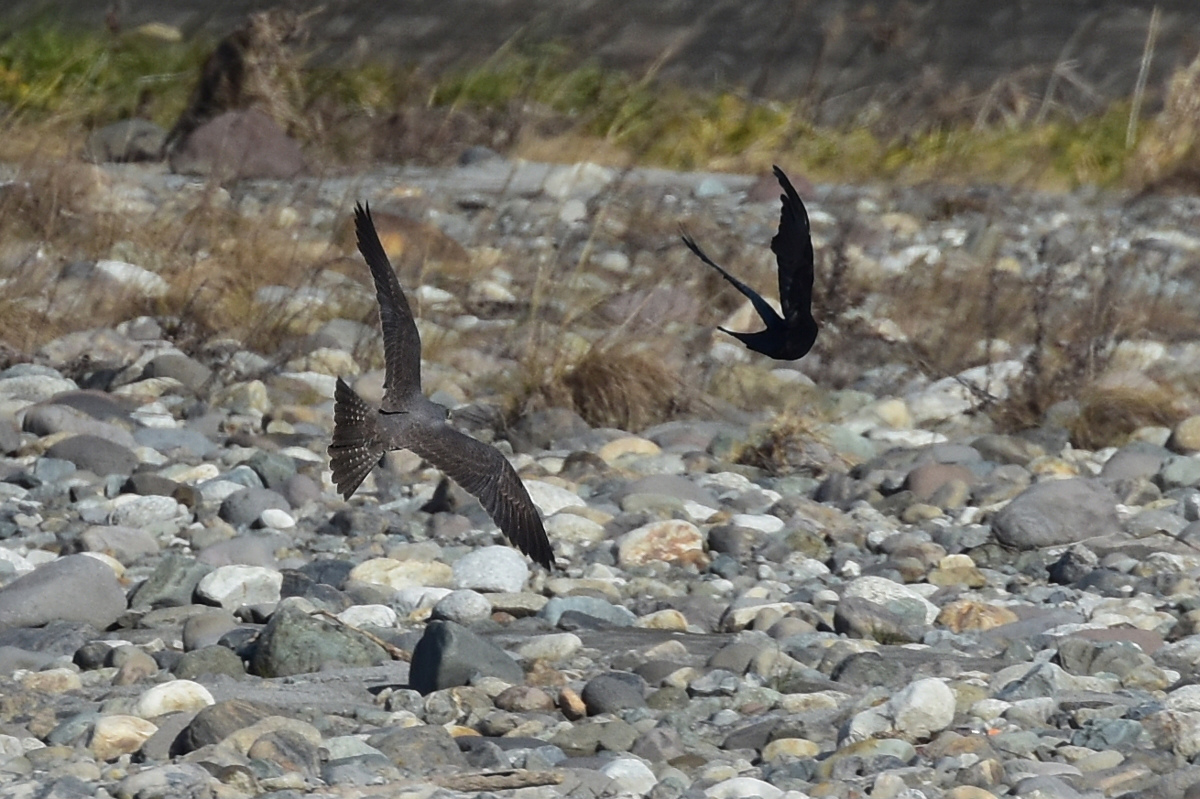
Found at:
(396, 652)
(1139, 88)
(499, 780)
(1056, 73)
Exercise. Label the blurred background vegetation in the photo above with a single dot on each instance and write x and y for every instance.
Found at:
(1049, 97)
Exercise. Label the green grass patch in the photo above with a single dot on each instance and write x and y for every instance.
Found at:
(46, 70)
(92, 78)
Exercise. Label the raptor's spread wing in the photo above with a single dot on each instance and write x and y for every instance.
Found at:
(401, 343)
(483, 471)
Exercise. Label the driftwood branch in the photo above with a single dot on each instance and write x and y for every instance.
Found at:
(498, 780)
(396, 652)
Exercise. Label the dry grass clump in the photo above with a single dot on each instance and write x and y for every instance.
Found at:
(1107, 417)
(1169, 145)
(57, 218)
(258, 65)
(621, 385)
(792, 443)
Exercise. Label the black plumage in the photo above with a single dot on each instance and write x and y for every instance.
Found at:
(791, 335)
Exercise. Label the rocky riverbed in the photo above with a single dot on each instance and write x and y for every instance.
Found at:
(908, 603)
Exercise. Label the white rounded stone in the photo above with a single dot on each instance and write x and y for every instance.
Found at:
(172, 697)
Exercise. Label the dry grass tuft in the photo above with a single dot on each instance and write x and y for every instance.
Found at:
(791, 444)
(1108, 417)
(621, 385)
(257, 65)
(1169, 148)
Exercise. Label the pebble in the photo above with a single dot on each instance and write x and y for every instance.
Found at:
(449, 655)
(552, 647)
(53, 592)
(672, 540)
(173, 697)
(233, 586)
(498, 569)
(396, 574)
(463, 606)
(117, 734)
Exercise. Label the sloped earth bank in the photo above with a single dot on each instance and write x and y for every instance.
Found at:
(912, 605)
(893, 63)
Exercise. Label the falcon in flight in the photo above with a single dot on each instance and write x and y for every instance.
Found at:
(407, 419)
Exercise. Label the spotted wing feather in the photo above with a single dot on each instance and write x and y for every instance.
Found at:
(357, 444)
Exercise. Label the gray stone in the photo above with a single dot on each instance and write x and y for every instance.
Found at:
(50, 418)
(10, 437)
(1133, 461)
(146, 512)
(449, 654)
(206, 628)
(96, 404)
(157, 747)
(1149, 521)
(178, 366)
(97, 455)
(294, 642)
(1119, 734)
(32, 383)
(171, 584)
(252, 549)
(870, 669)
(717, 682)
(1179, 471)
(125, 141)
(462, 607)
(290, 750)
(272, 468)
(497, 569)
(73, 588)
(658, 745)
(1082, 656)
(238, 145)
(62, 638)
(365, 769)
(614, 691)
(126, 544)
(1057, 512)
(216, 722)
(670, 485)
(149, 484)
(541, 429)
(13, 658)
(171, 440)
(245, 506)
(862, 618)
(595, 607)
(419, 750)
(1073, 565)
(587, 738)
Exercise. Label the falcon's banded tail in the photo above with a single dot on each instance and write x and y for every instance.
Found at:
(356, 446)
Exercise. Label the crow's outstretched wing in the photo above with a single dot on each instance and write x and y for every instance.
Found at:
(764, 309)
(793, 250)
